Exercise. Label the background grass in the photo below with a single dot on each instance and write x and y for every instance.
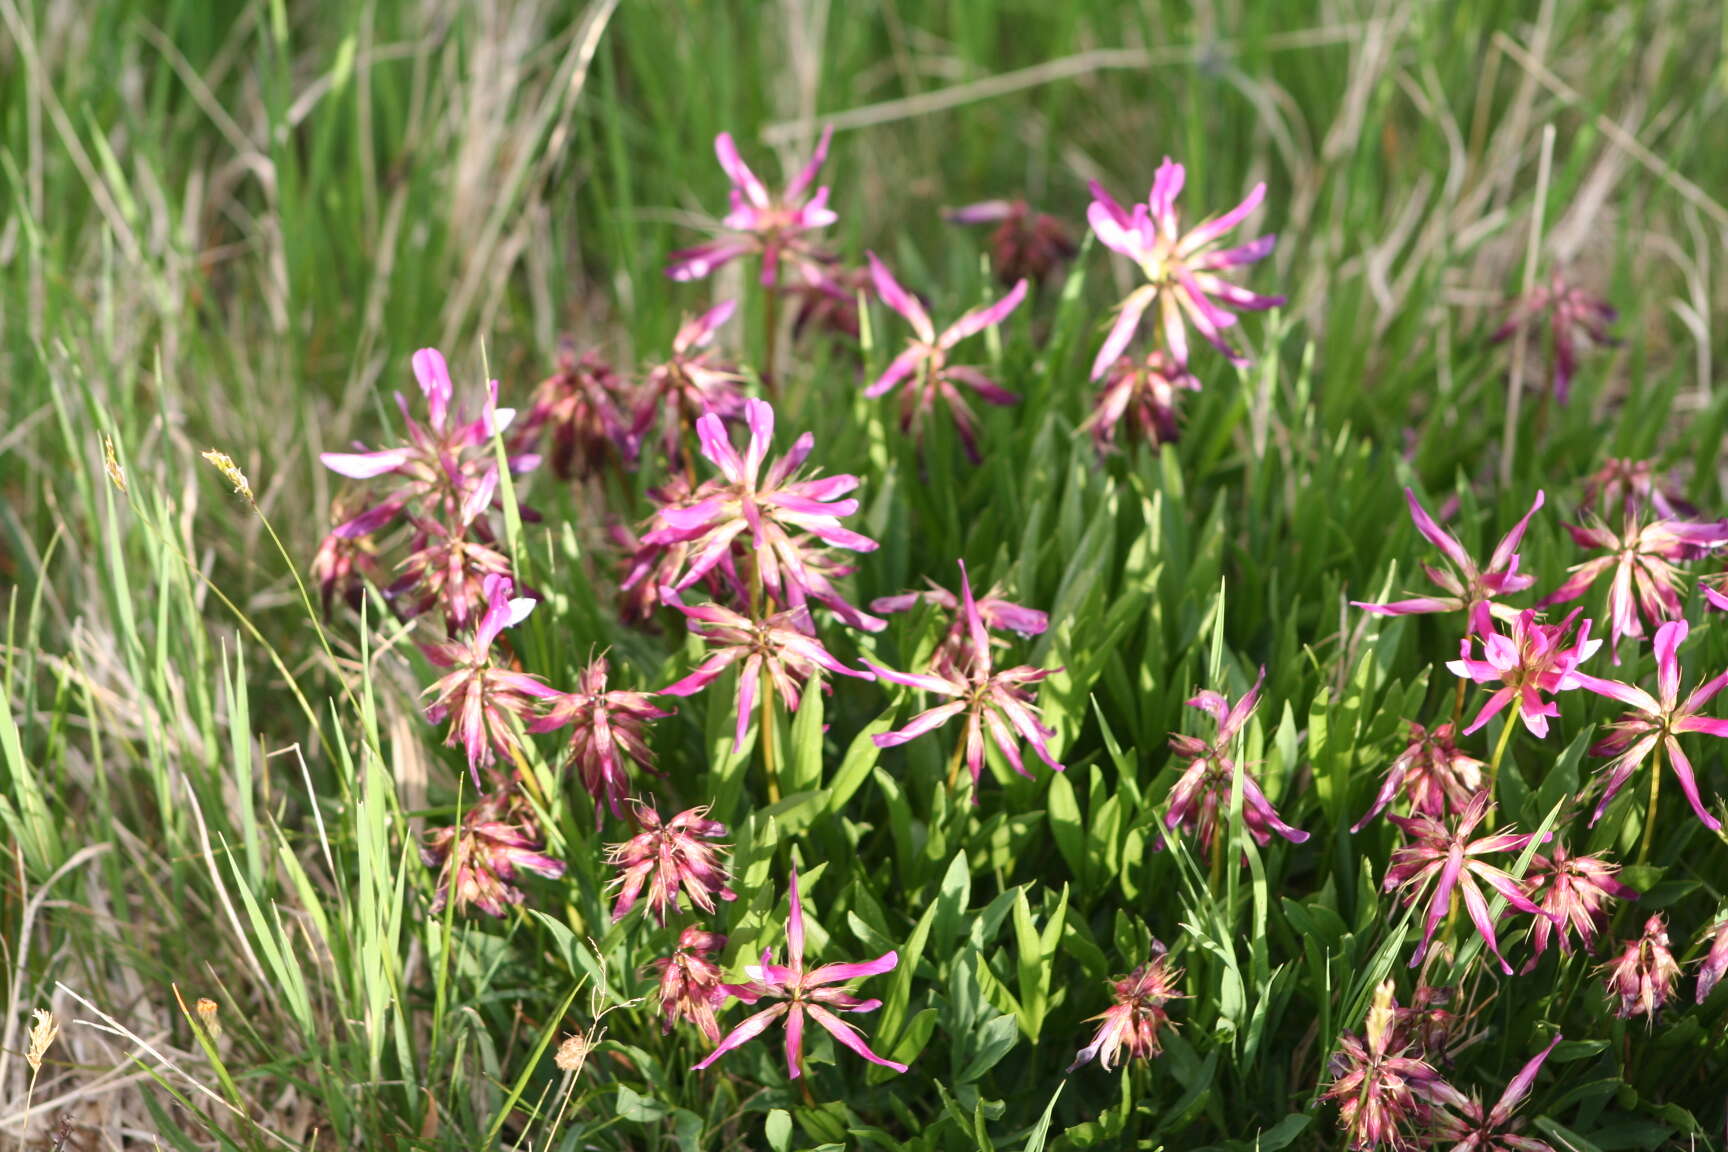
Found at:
(231, 224)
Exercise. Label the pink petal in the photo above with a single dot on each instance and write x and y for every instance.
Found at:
(850, 1037)
(978, 319)
(1437, 535)
(795, 925)
(1211, 230)
(750, 1028)
(835, 973)
(1669, 637)
(1508, 546)
(900, 300)
(1122, 331)
(807, 175)
(365, 465)
(434, 377)
(1688, 785)
(739, 172)
(795, 1041)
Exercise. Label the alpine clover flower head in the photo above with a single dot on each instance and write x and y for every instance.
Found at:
(448, 569)
(1477, 1128)
(775, 227)
(669, 857)
(1434, 776)
(692, 384)
(580, 408)
(1026, 245)
(606, 734)
(1139, 395)
(1655, 722)
(998, 615)
(483, 698)
(1715, 962)
(690, 983)
(1133, 1023)
(1573, 893)
(479, 862)
(1639, 566)
(1200, 798)
(1623, 484)
(803, 995)
(1181, 269)
(778, 648)
(922, 372)
(1384, 1094)
(1572, 315)
(1441, 859)
(995, 700)
(1465, 586)
(343, 566)
(1428, 1027)
(1528, 661)
(1643, 977)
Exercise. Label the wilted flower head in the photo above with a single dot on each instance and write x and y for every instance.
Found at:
(1383, 1093)
(775, 227)
(1026, 245)
(1477, 1128)
(1571, 314)
(1643, 977)
(1200, 799)
(1434, 776)
(1623, 484)
(448, 570)
(1574, 892)
(1427, 1026)
(1528, 661)
(804, 994)
(694, 383)
(830, 303)
(1715, 964)
(1137, 1016)
(690, 983)
(581, 408)
(343, 566)
(44, 1027)
(478, 862)
(1141, 396)
(922, 372)
(669, 857)
(605, 735)
(1181, 269)
(1466, 587)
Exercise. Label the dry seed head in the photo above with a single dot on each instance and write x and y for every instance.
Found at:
(573, 1053)
(207, 1010)
(111, 462)
(43, 1029)
(231, 473)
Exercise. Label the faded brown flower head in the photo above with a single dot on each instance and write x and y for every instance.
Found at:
(572, 1054)
(43, 1029)
(207, 1016)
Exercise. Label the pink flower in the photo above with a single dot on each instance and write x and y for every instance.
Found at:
(449, 570)
(1026, 245)
(998, 615)
(922, 372)
(667, 858)
(484, 700)
(1644, 976)
(1640, 567)
(1572, 315)
(692, 384)
(478, 863)
(1527, 662)
(1180, 269)
(1383, 1093)
(1479, 1129)
(581, 407)
(605, 737)
(997, 700)
(1435, 777)
(343, 566)
(1141, 395)
(776, 227)
(1466, 586)
(1137, 1015)
(1656, 721)
(1441, 860)
(690, 984)
(1573, 892)
(1623, 484)
(1715, 964)
(804, 994)
(778, 648)
(1200, 799)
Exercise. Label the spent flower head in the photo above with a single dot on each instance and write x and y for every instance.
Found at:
(775, 227)
(1133, 1024)
(580, 409)
(695, 382)
(1139, 396)
(606, 734)
(691, 983)
(1643, 977)
(1572, 317)
(1715, 963)
(1200, 798)
(1384, 1094)
(1574, 892)
(1026, 244)
(480, 861)
(1624, 484)
(669, 857)
(1435, 777)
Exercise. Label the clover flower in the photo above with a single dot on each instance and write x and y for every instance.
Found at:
(666, 858)
(1026, 244)
(692, 384)
(1572, 316)
(691, 987)
(1435, 777)
(1181, 269)
(606, 735)
(581, 408)
(1481, 1129)
(1715, 963)
(1573, 892)
(448, 570)
(1427, 1026)
(776, 228)
(1137, 1017)
(478, 862)
(1643, 977)
(1528, 661)
(1383, 1093)
(830, 302)
(804, 994)
(1466, 586)
(1200, 798)
(1139, 395)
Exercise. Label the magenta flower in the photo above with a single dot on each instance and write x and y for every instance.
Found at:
(581, 408)
(803, 994)
(1480, 1129)
(1655, 722)
(922, 371)
(1136, 1017)
(478, 863)
(1026, 245)
(692, 384)
(1200, 799)
(690, 983)
(1532, 660)
(1434, 776)
(449, 570)
(1573, 892)
(484, 699)
(343, 566)
(666, 858)
(778, 648)
(998, 615)
(1141, 396)
(1466, 586)
(1640, 568)
(1181, 270)
(1572, 316)
(1715, 963)
(1442, 859)
(605, 735)
(1383, 1093)
(1643, 977)
(993, 700)
(776, 228)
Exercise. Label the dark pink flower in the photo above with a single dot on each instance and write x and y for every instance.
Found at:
(1384, 1094)
(690, 983)
(1200, 799)
(1141, 396)
(1480, 1129)
(1528, 661)
(1133, 1023)
(1026, 245)
(1715, 964)
(1572, 316)
(694, 383)
(1644, 975)
(775, 227)
(1442, 859)
(1656, 721)
(1467, 587)
(1574, 892)
(448, 570)
(922, 372)
(605, 735)
(803, 995)
(343, 566)
(1434, 776)
(1181, 269)
(581, 407)
(478, 863)
(669, 857)
(999, 615)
